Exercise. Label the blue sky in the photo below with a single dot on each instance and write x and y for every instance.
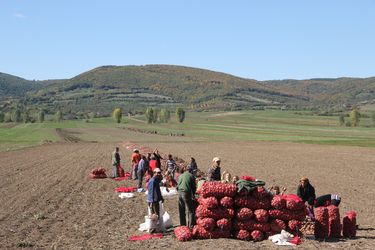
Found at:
(263, 40)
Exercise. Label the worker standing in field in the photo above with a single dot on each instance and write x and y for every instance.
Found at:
(214, 172)
(193, 167)
(171, 166)
(136, 157)
(142, 169)
(116, 163)
(307, 193)
(154, 194)
(186, 194)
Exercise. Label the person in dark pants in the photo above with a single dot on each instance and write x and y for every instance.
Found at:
(158, 157)
(214, 172)
(142, 169)
(154, 193)
(328, 199)
(186, 193)
(115, 162)
(307, 193)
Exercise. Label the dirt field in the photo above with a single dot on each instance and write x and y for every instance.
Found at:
(48, 201)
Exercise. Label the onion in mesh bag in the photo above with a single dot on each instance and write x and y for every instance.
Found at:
(183, 233)
(242, 235)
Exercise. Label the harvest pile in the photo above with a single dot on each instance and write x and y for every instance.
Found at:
(328, 225)
(215, 211)
(259, 215)
(247, 215)
(98, 173)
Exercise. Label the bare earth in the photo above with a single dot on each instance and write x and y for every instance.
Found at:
(52, 181)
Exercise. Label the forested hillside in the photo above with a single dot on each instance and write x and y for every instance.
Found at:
(133, 88)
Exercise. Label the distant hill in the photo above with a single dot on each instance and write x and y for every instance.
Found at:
(13, 86)
(135, 87)
(350, 91)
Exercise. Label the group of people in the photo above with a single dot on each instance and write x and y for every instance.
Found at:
(187, 178)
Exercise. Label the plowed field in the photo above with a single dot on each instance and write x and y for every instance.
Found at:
(48, 201)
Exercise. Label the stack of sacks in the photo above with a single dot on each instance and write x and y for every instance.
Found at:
(215, 211)
(288, 213)
(252, 217)
(349, 224)
(321, 223)
(98, 173)
(334, 223)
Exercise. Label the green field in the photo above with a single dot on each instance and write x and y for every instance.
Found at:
(269, 125)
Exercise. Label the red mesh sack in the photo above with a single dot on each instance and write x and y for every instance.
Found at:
(201, 233)
(243, 225)
(260, 193)
(224, 224)
(244, 213)
(284, 214)
(277, 225)
(295, 205)
(278, 202)
(227, 202)
(206, 223)
(98, 173)
(261, 215)
(261, 226)
(218, 189)
(294, 226)
(242, 235)
(247, 178)
(294, 202)
(257, 235)
(243, 192)
(334, 223)
(349, 224)
(252, 203)
(218, 233)
(209, 202)
(183, 233)
(215, 213)
(321, 223)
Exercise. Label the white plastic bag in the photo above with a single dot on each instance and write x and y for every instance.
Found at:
(126, 195)
(167, 220)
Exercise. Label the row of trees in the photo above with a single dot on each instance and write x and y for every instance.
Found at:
(164, 115)
(26, 117)
(153, 115)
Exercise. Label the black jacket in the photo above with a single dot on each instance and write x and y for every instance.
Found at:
(307, 193)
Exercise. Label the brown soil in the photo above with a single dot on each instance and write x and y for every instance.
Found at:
(67, 136)
(48, 201)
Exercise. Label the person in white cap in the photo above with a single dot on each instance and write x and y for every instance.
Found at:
(214, 172)
(154, 193)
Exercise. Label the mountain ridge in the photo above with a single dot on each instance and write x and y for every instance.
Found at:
(135, 87)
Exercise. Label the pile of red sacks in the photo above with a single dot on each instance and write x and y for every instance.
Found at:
(258, 215)
(215, 211)
(223, 213)
(349, 224)
(98, 173)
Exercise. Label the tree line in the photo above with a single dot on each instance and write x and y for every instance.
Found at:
(153, 115)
